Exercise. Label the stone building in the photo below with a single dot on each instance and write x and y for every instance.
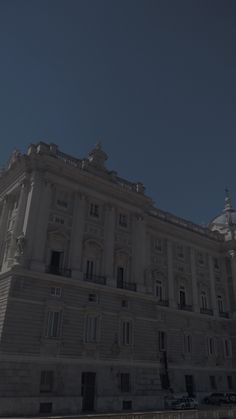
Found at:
(106, 302)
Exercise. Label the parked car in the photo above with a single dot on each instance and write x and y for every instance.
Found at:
(231, 397)
(185, 403)
(216, 398)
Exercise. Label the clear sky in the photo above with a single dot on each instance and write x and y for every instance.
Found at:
(154, 79)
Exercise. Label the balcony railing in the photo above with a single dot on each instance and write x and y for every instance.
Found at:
(126, 285)
(208, 311)
(58, 271)
(97, 279)
(164, 303)
(185, 307)
(224, 314)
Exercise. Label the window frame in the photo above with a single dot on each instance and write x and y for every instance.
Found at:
(53, 331)
(126, 332)
(92, 328)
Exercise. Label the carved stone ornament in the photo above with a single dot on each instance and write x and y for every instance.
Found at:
(20, 244)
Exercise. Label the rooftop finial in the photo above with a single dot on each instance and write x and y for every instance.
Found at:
(228, 204)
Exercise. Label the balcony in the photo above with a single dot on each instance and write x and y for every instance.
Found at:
(164, 303)
(224, 314)
(185, 307)
(55, 270)
(131, 286)
(96, 279)
(208, 311)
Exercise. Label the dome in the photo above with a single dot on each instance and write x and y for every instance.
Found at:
(226, 221)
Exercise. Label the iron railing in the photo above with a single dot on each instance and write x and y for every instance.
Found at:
(208, 311)
(185, 307)
(131, 286)
(55, 270)
(97, 279)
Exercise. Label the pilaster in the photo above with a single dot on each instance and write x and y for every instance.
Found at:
(171, 291)
(232, 254)
(109, 233)
(31, 219)
(41, 219)
(139, 251)
(77, 235)
(213, 287)
(194, 281)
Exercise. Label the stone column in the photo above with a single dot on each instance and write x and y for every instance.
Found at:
(232, 254)
(194, 281)
(109, 239)
(38, 261)
(213, 287)
(3, 226)
(171, 290)
(139, 252)
(77, 236)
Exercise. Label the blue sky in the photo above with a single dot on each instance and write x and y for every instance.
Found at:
(155, 80)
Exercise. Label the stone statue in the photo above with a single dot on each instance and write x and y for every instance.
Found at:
(20, 244)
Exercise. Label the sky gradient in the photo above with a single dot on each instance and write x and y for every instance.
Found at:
(154, 80)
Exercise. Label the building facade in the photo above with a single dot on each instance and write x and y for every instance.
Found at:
(107, 303)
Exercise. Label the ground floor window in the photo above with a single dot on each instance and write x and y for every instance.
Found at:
(46, 381)
(230, 382)
(213, 382)
(189, 383)
(125, 382)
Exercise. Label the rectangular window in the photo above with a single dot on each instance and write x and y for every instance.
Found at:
(164, 381)
(158, 290)
(158, 244)
(120, 276)
(93, 298)
(62, 203)
(180, 251)
(125, 383)
(190, 386)
(53, 328)
(56, 291)
(213, 382)
(59, 220)
(127, 405)
(230, 382)
(89, 269)
(182, 298)
(162, 341)
(227, 348)
(46, 381)
(220, 304)
(200, 258)
(216, 264)
(187, 344)
(94, 210)
(123, 220)
(126, 332)
(210, 343)
(92, 325)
